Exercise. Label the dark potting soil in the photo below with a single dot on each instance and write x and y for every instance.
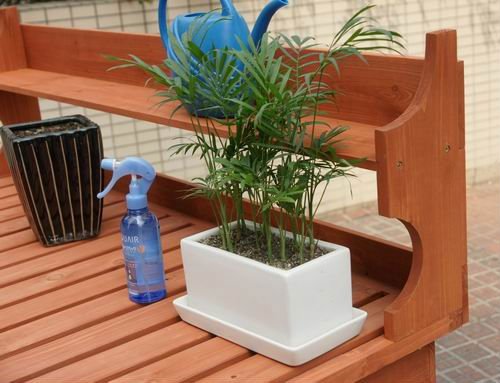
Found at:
(68, 126)
(253, 247)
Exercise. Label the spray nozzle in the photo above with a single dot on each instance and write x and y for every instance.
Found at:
(139, 187)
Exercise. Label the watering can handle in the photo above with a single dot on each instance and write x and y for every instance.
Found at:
(162, 23)
(228, 9)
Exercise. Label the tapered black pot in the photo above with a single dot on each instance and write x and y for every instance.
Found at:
(57, 175)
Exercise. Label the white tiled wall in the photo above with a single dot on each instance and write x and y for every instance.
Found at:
(478, 24)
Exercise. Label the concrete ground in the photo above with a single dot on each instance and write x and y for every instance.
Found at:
(472, 353)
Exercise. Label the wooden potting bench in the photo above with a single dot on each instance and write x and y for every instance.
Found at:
(64, 311)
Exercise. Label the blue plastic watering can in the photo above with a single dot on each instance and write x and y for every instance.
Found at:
(219, 29)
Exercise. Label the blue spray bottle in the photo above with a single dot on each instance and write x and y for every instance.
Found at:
(140, 231)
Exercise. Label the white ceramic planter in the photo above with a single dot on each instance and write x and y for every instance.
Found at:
(289, 315)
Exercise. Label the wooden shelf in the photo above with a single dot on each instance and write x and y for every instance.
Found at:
(139, 102)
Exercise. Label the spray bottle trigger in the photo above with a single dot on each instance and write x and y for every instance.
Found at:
(112, 182)
(129, 166)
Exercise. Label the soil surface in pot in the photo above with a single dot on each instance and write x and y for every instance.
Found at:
(253, 246)
(68, 126)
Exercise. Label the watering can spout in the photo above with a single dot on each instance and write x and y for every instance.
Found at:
(264, 19)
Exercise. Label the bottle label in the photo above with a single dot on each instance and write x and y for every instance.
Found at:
(143, 264)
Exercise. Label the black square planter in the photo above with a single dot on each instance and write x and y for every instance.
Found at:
(57, 175)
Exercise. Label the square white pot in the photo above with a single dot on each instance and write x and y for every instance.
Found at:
(289, 315)
(288, 307)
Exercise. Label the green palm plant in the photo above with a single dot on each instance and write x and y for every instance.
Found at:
(279, 150)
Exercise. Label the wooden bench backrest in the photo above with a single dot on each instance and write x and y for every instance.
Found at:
(374, 94)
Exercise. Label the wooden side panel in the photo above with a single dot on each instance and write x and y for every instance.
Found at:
(421, 181)
(14, 108)
(418, 367)
(11, 40)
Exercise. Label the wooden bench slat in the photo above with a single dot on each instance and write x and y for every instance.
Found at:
(33, 250)
(8, 191)
(86, 250)
(359, 140)
(189, 365)
(10, 213)
(92, 340)
(83, 315)
(16, 239)
(14, 225)
(77, 293)
(5, 181)
(9, 201)
(352, 365)
(21, 223)
(17, 211)
(70, 296)
(119, 360)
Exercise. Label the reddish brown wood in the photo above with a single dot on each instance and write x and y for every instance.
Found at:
(5, 181)
(68, 302)
(381, 90)
(373, 356)
(11, 212)
(376, 92)
(418, 367)
(32, 250)
(140, 104)
(88, 49)
(421, 181)
(262, 369)
(13, 108)
(148, 348)
(180, 367)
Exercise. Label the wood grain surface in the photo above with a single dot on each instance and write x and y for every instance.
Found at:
(66, 315)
